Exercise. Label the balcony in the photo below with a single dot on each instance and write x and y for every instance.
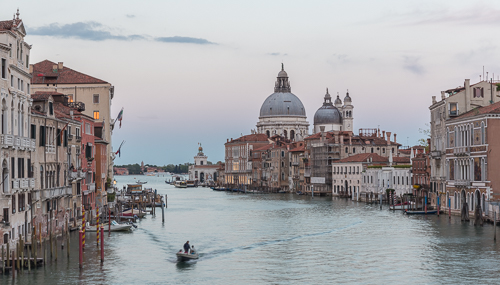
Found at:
(91, 187)
(436, 154)
(461, 151)
(70, 136)
(307, 172)
(76, 174)
(7, 140)
(462, 183)
(56, 192)
(78, 138)
(295, 163)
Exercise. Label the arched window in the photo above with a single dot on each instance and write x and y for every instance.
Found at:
(285, 134)
(268, 133)
(41, 176)
(4, 117)
(447, 137)
(292, 135)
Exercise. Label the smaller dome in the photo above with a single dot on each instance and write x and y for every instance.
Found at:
(347, 98)
(338, 101)
(282, 73)
(328, 115)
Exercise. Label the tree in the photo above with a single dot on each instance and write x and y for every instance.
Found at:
(427, 135)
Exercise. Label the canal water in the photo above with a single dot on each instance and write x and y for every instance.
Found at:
(279, 239)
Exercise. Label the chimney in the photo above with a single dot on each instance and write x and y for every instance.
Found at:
(388, 138)
(443, 96)
(434, 100)
(467, 95)
(54, 68)
(383, 134)
(31, 68)
(341, 139)
(227, 140)
(60, 65)
(394, 138)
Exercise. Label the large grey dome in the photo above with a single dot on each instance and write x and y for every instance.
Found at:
(327, 115)
(282, 104)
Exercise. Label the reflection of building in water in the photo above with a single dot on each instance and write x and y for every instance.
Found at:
(282, 113)
(201, 171)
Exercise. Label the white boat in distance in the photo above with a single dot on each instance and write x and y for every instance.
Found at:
(115, 227)
(181, 256)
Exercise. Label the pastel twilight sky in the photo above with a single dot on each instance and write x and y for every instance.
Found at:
(198, 71)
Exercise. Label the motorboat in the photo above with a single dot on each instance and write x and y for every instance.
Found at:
(134, 212)
(181, 256)
(115, 227)
(190, 183)
(180, 184)
(141, 182)
(402, 206)
(429, 212)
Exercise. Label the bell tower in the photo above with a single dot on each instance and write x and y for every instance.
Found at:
(347, 113)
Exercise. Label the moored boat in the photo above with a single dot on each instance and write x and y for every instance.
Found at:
(115, 227)
(429, 212)
(402, 206)
(180, 184)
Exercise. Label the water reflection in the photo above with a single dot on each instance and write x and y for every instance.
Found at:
(261, 239)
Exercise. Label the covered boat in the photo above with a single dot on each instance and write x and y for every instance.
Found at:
(115, 227)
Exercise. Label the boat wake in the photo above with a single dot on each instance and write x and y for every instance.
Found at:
(216, 253)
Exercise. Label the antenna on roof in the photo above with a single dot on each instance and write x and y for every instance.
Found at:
(483, 71)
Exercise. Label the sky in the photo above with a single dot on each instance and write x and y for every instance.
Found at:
(189, 72)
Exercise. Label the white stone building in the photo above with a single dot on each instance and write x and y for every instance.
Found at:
(16, 144)
(201, 171)
(377, 179)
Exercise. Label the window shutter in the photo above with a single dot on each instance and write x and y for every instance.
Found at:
(33, 131)
(42, 135)
(58, 137)
(65, 138)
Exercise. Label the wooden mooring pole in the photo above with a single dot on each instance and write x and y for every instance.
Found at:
(102, 245)
(495, 226)
(162, 212)
(3, 261)
(29, 259)
(80, 244)
(67, 239)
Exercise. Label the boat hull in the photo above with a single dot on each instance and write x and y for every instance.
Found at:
(186, 256)
(118, 228)
(430, 212)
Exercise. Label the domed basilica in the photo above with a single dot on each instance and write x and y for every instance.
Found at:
(282, 113)
(336, 117)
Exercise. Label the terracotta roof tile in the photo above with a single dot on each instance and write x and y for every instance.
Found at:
(43, 74)
(251, 138)
(490, 109)
(7, 25)
(363, 157)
